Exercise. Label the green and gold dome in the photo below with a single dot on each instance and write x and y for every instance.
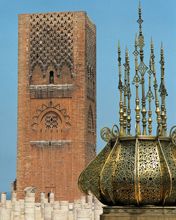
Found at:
(136, 169)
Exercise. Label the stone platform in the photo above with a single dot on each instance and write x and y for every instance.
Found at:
(138, 213)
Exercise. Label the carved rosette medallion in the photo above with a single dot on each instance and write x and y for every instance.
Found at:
(51, 117)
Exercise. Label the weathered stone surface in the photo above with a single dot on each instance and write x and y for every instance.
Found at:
(56, 102)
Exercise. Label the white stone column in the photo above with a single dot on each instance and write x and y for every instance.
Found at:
(64, 205)
(29, 204)
(17, 211)
(47, 211)
(98, 210)
(21, 201)
(37, 211)
(42, 197)
(13, 197)
(76, 206)
(56, 205)
(3, 199)
(8, 210)
(83, 201)
(43, 201)
(90, 199)
(59, 215)
(70, 212)
(51, 198)
(84, 214)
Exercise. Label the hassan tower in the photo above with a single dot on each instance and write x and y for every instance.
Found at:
(56, 102)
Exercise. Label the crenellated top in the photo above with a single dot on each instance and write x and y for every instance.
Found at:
(143, 100)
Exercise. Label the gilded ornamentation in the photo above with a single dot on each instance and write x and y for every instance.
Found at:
(107, 134)
(120, 87)
(173, 135)
(140, 169)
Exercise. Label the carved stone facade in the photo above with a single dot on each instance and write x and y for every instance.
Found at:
(56, 102)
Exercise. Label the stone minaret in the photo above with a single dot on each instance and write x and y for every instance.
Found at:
(56, 102)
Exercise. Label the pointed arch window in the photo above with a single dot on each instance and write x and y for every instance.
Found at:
(90, 122)
(51, 77)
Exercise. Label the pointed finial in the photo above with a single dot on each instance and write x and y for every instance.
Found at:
(120, 87)
(151, 44)
(118, 44)
(139, 4)
(162, 45)
(127, 66)
(140, 21)
(163, 93)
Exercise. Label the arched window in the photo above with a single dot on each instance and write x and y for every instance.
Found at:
(90, 123)
(51, 77)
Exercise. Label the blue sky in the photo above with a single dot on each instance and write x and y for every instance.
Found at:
(115, 20)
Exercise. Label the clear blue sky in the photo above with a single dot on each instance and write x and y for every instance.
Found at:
(115, 20)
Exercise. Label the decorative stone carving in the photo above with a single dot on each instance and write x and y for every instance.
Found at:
(52, 115)
(51, 91)
(51, 120)
(59, 143)
(91, 62)
(51, 41)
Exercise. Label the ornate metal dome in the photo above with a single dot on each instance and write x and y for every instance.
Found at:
(136, 169)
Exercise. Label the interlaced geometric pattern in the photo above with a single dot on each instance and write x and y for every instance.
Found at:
(51, 120)
(142, 68)
(51, 41)
(91, 62)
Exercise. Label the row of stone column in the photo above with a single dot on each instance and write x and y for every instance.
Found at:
(27, 209)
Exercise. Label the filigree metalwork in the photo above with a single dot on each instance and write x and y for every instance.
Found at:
(120, 87)
(173, 135)
(115, 131)
(150, 97)
(163, 94)
(142, 68)
(136, 81)
(156, 89)
(128, 94)
(108, 134)
(125, 94)
(141, 169)
(132, 173)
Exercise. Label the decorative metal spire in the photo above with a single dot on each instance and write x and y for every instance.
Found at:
(125, 89)
(120, 87)
(128, 93)
(142, 68)
(142, 118)
(163, 94)
(140, 21)
(156, 89)
(150, 96)
(136, 82)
